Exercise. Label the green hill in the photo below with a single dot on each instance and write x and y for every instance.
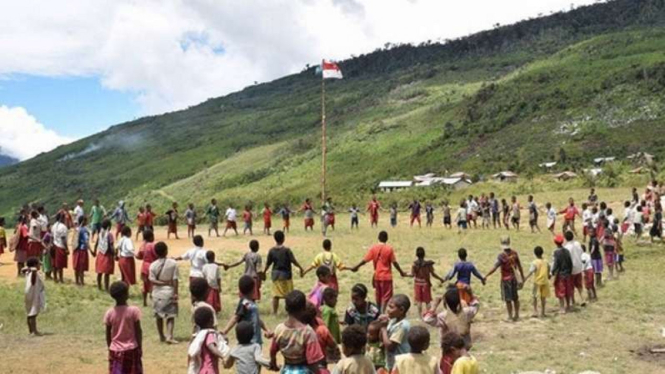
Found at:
(570, 86)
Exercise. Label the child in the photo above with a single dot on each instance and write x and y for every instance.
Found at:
(429, 214)
(149, 218)
(47, 264)
(533, 215)
(562, 270)
(360, 312)
(267, 219)
(589, 282)
(464, 269)
(422, 271)
(375, 351)
(80, 258)
(211, 274)
(103, 253)
(509, 261)
(393, 215)
(247, 218)
(172, 220)
(35, 294)
(485, 211)
(609, 248)
(394, 334)
(207, 346)
(619, 253)
(461, 217)
(447, 222)
(551, 217)
(3, 236)
(252, 261)
(231, 216)
(638, 222)
(248, 312)
(418, 361)
(330, 260)
(163, 275)
(247, 355)
(596, 257)
(198, 289)
(453, 345)
(515, 219)
(587, 220)
(296, 341)
(309, 214)
(326, 341)
(140, 222)
(125, 257)
(354, 339)
(190, 217)
(354, 216)
(540, 269)
(316, 295)
(329, 314)
(505, 208)
(147, 254)
(124, 336)
(59, 232)
(285, 212)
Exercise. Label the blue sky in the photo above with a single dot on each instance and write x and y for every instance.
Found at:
(72, 106)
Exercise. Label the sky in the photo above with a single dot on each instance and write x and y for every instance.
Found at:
(73, 68)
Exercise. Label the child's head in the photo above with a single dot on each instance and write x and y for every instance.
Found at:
(106, 224)
(571, 202)
(418, 338)
(204, 318)
(295, 303)
(213, 201)
(639, 208)
(452, 299)
(420, 253)
(569, 236)
(359, 296)
(530, 198)
(461, 253)
(324, 274)
(513, 199)
(279, 237)
(327, 245)
(398, 306)
(354, 340)
(626, 204)
(246, 285)
(148, 207)
(594, 210)
(244, 332)
(210, 257)
(308, 316)
(254, 245)
(126, 232)
(175, 205)
(148, 236)
(383, 237)
(373, 331)
(141, 209)
(558, 240)
(452, 344)
(548, 205)
(198, 288)
(161, 249)
(198, 241)
(191, 206)
(538, 252)
(330, 297)
(585, 205)
(32, 262)
(603, 205)
(119, 291)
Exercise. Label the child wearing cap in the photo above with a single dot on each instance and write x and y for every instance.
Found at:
(562, 270)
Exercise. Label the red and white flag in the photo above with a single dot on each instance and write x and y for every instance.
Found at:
(330, 70)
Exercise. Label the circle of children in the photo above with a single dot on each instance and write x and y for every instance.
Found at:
(377, 337)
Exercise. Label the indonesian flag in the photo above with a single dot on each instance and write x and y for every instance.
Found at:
(330, 70)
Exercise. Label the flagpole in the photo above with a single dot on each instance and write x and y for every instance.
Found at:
(323, 138)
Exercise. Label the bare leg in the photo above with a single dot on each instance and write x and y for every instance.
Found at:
(509, 309)
(106, 281)
(544, 303)
(170, 324)
(517, 309)
(99, 281)
(160, 329)
(275, 305)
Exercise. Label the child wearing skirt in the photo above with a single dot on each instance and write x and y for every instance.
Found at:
(47, 265)
(211, 274)
(125, 256)
(124, 336)
(147, 254)
(80, 258)
(35, 295)
(103, 253)
(422, 271)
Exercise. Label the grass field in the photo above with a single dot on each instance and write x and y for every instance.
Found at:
(606, 336)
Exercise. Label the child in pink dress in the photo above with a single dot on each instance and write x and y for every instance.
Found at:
(123, 333)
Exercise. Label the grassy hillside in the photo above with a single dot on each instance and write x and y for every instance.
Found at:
(571, 86)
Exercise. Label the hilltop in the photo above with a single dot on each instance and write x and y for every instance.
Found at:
(567, 87)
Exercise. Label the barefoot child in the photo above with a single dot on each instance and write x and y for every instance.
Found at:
(172, 220)
(596, 257)
(248, 312)
(509, 261)
(447, 221)
(540, 269)
(551, 217)
(80, 258)
(211, 275)
(59, 232)
(330, 260)
(589, 282)
(125, 257)
(422, 271)
(461, 217)
(163, 275)
(394, 334)
(296, 341)
(198, 290)
(148, 255)
(418, 361)
(252, 260)
(354, 340)
(285, 212)
(247, 355)
(354, 211)
(267, 219)
(104, 255)
(609, 245)
(124, 336)
(562, 270)
(282, 260)
(35, 294)
(190, 217)
(231, 216)
(247, 218)
(464, 269)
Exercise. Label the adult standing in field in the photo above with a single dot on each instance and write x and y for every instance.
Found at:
(383, 259)
(509, 261)
(213, 217)
(577, 273)
(496, 212)
(97, 214)
(415, 211)
(121, 217)
(21, 234)
(309, 214)
(281, 259)
(59, 232)
(163, 275)
(196, 257)
(78, 212)
(373, 208)
(569, 214)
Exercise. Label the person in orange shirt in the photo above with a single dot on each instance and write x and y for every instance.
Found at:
(373, 208)
(267, 219)
(149, 218)
(140, 222)
(382, 256)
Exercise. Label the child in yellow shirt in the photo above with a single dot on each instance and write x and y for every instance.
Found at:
(540, 269)
(464, 363)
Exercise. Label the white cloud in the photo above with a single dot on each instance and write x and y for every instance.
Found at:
(22, 137)
(175, 53)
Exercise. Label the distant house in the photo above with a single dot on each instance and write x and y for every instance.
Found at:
(389, 186)
(460, 174)
(505, 176)
(454, 183)
(603, 160)
(594, 172)
(564, 176)
(641, 158)
(547, 165)
(425, 177)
